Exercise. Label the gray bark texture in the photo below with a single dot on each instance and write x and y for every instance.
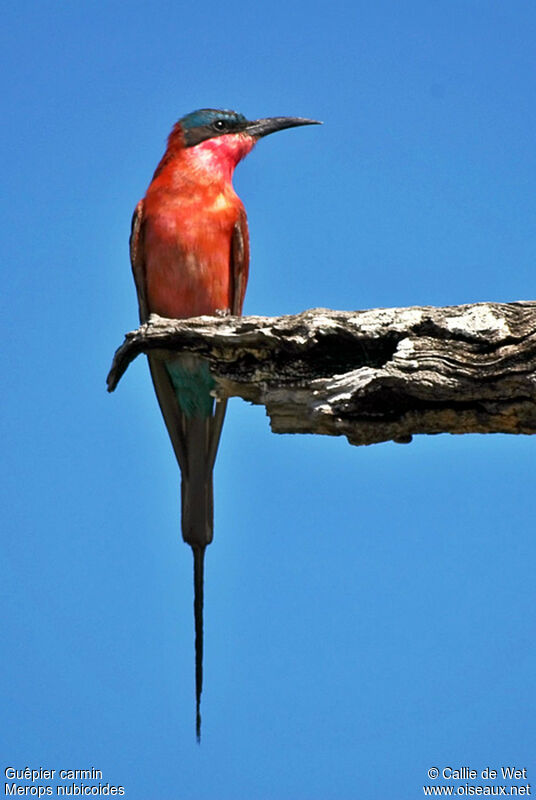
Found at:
(372, 376)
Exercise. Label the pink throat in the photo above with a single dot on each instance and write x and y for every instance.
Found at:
(220, 156)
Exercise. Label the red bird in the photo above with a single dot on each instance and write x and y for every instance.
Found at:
(189, 250)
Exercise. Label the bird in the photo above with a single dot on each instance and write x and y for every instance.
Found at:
(189, 252)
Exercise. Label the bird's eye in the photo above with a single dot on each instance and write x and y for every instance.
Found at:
(220, 124)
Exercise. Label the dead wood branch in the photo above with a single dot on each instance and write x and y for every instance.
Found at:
(371, 375)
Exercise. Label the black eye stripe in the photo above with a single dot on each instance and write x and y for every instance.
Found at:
(212, 128)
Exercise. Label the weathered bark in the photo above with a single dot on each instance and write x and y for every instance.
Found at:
(368, 375)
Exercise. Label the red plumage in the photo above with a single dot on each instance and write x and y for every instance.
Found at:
(190, 212)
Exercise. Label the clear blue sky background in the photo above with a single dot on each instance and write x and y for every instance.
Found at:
(370, 612)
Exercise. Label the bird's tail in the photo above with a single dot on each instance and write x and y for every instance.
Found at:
(194, 421)
(201, 436)
(197, 520)
(197, 495)
(199, 558)
(201, 421)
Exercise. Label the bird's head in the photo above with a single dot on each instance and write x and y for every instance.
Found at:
(210, 123)
(219, 139)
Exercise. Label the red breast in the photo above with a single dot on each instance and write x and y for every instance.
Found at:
(190, 210)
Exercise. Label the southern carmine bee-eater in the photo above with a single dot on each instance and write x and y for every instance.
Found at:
(189, 249)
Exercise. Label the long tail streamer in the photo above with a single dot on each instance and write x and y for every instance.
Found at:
(199, 558)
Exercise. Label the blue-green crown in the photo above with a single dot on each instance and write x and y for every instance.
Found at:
(206, 116)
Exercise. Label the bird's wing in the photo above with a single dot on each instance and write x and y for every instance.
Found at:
(162, 384)
(239, 262)
(137, 260)
(239, 266)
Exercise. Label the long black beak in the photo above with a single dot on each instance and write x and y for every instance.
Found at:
(262, 127)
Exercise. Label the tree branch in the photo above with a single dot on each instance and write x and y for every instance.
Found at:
(371, 375)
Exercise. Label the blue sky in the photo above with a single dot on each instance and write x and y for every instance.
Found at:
(369, 611)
